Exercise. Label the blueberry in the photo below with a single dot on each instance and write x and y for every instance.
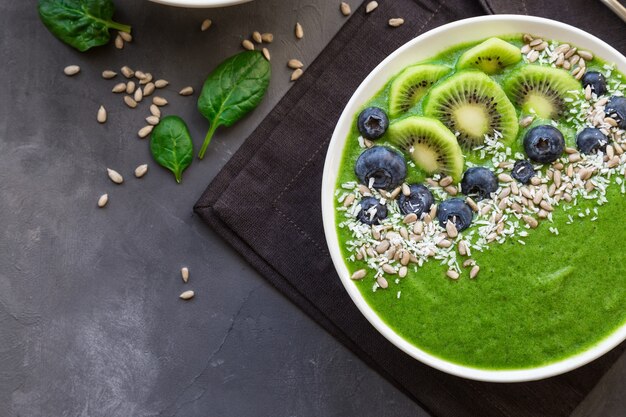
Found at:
(372, 212)
(591, 140)
(544, 144)
(596, 81)
(616, 109)
(373, 122)
(479, 183)
(418, 202)
(386, 166)
(523, 171)
(456, 211)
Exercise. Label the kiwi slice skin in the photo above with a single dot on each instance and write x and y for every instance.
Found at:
(491, 56)
(474, 105)
(408, 88)
(433, 148)
(541, 90)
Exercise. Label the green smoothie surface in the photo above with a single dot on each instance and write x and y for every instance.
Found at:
(555, 293)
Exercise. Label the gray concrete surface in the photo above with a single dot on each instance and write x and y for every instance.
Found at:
(90, 320)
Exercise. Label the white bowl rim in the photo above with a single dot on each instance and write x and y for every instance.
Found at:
(333, 157)
(200, 3)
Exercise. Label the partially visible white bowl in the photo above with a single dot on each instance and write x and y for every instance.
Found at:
(420, 48)
(200, 3)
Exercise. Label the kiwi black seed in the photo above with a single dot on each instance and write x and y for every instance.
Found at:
(541, 90)
(432, 146)
(491, 56)
(473, 106)
(408, 88)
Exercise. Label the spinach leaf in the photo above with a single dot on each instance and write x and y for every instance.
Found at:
(232, 90)
(171, 145)
(82, 24)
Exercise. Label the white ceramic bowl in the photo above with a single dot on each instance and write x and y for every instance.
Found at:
(420, 48)
(200, 3)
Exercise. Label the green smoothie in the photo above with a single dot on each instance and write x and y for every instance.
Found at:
(540, 297)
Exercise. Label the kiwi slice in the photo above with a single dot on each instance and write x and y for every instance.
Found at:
(541, 90)
(491, 56)
(411, 85)
(432, 146)
(472, 105)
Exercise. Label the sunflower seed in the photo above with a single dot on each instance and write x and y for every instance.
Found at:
(570, 52)
(349, 200)
(472, 204)
(541, 46)
(267, 37)
(610, 121)
(297, 73)
(452, 274)
(345, 8)
(299, 31)
(119, 42)
(445, 243)
(138, 95)
(148, 89)
(418, 228)
(294, 64)
(256, 36)
(559, 60)
(247, 45)
(536, 42)
(71, 70)
(187, 295)
(119, 88)
(159, 101)
(161, 83)
(388, 269)
(382, 282)
(127, 37)
(371, 6)
(145, 131)
(588, 56)
(187, 91)
(452, 190)
(184, 273)
(382, 246)
(505, 178)
(127, 72)
(115, 176)
(141, 170)
(360, 274)
(155, 111)
(140, 75)
(205, 25)
(266, 53)
(130, 102)
(613, 162)
(410, 218)
(102, 115)
(575, 157)
(152, 120)
(395, 22)
(403, 271)
(445, 181)
(527, 37)
(451, 229)
(546, 206)
(108, 74)
(532, 56)
(474, 272)
(526, 121)
(566, 65)
(406, 190)
(368, 143)
(103, 200)
(130, 87)
(589, 186)
(525, 49)
(574, 60)
(531, 221)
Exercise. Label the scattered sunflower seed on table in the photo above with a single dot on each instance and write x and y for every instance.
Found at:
(145, 131)
(267, 38)
(71, 70)
(141, 170)
(108, 74)
(371, 6)
(187, 295)
(299, 31)
(184, 272)
(119, 42)
(297, 73)
(345, 8)
(256, 36)
(115, 176)
(126, 37)
(247, 45)
(294, 64)
(102, 115)
(266, 53)
(103, 200)
(187, 91)
(205, 25)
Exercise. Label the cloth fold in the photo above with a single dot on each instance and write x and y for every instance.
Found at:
(266, 204)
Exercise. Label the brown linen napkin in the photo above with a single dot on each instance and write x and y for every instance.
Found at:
(266, 203)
